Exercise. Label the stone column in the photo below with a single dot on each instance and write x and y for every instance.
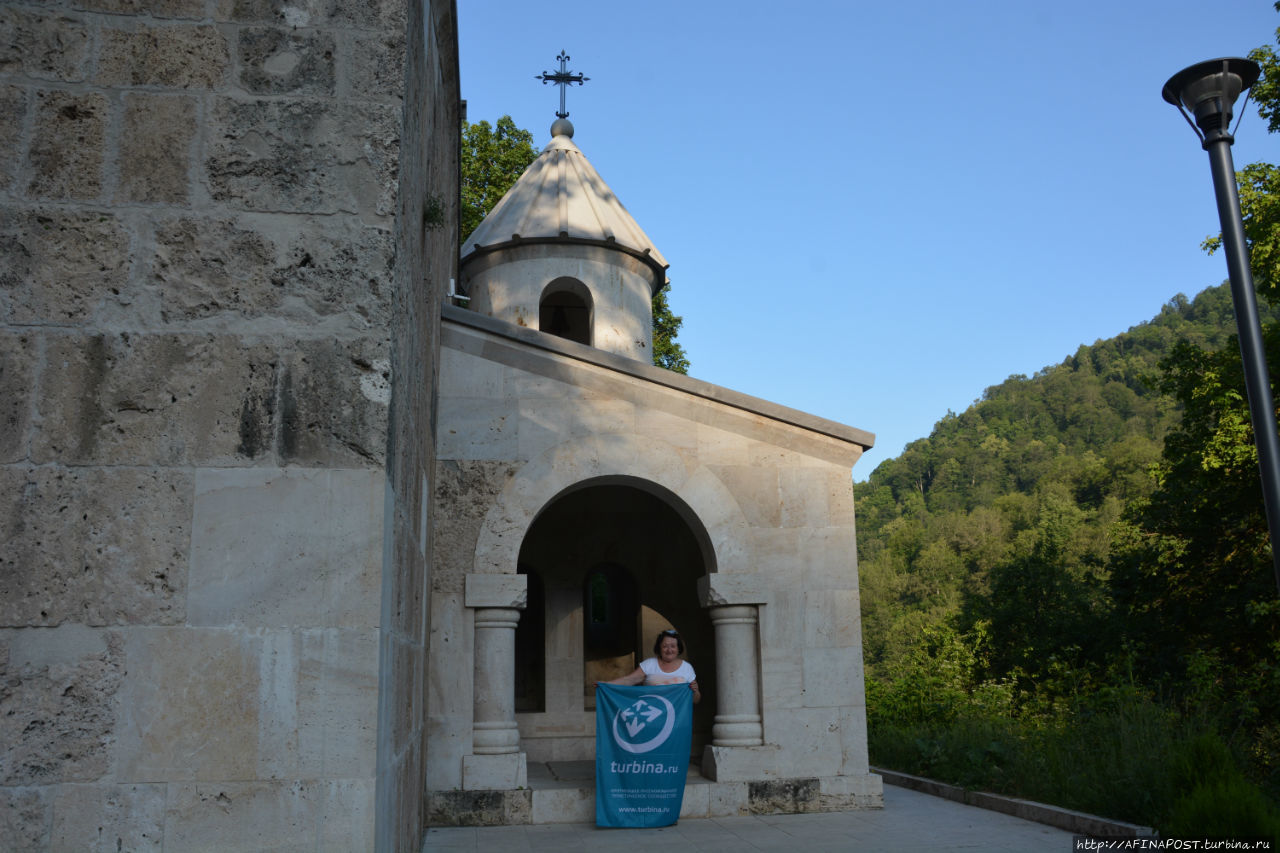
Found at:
(496, 762)
(737, 721)
(737, 751)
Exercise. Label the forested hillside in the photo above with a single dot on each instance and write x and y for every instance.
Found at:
(1004, 515)
(1067, 589)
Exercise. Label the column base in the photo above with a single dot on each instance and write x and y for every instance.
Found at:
(494, 772)
(740, 763)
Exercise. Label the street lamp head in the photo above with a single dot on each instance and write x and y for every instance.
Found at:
(1209, 91)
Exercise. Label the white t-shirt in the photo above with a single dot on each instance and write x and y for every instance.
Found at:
(653, 673)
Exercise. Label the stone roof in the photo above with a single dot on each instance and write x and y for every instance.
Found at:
(561, 197)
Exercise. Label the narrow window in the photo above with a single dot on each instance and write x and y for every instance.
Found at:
(565, 310)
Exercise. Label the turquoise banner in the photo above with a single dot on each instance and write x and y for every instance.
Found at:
(642, 753)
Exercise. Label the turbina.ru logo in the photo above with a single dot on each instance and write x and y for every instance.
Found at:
(644, 725)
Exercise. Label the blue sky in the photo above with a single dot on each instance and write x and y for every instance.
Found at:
(873, 211)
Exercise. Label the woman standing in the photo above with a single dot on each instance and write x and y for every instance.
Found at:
(667, 666)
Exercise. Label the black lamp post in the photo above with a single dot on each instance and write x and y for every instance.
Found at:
(1209, 91)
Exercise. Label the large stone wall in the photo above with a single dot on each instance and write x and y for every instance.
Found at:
(206, 257)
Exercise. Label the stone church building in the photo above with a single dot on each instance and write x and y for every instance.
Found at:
(586, 499)
(296, 555)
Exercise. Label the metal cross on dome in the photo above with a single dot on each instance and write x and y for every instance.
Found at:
(562, 78)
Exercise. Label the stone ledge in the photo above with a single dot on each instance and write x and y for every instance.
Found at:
(1079, 823)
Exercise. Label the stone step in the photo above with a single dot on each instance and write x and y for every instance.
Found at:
(565, 792)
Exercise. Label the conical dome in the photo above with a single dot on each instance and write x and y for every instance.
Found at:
(560, 254)
(561, 196)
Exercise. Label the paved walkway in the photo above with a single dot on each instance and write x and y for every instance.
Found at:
(909, 821)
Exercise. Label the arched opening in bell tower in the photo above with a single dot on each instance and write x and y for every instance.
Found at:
(618, 560)
(566, 310)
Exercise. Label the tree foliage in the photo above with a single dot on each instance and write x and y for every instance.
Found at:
(492, 159)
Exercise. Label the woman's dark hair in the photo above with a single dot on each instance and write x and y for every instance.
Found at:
(657, 644)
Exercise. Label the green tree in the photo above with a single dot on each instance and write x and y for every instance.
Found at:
(1194, 571)
(493, 159)
(666, 324)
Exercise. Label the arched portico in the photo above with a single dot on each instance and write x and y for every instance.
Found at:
(649, 482)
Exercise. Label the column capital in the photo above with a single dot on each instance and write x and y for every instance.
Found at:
(497, 590)
(720, 589)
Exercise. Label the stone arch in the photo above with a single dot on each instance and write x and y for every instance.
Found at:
(700, 498)
(566, 309)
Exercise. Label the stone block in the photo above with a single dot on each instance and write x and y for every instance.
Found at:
(376, 67)
(57, 267)
(59, 701)
(333, 403)
(26, 815)
(65, 159)
(156, 399)
(109, 817)
(190, 705)
(191, 9)
(782, 686)
(784, 796)
(810, 738)
(48, 46)
(756, 491)
(831, 558)
(721, 447)
(479, 808)
(494, 772)
(304, 156)
(721, 588)
(290, 816)
(180, 57)
(296, 547)
(696, 802)
(564, 805)
(741, 763)
(155, 148)
(339, 269)
(13, 112)
(478, 429)
(832, 619)
(339, 272)
(804, 496)
(334, 700)
(206, 267)
(463, 374)
(78, 550)
(497, 590)
(280, 61)
(829, 677)
(726, 799)
(853, 739)
(388, 15)
(17, 376)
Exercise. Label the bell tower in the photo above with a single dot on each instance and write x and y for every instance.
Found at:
(560, 254)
